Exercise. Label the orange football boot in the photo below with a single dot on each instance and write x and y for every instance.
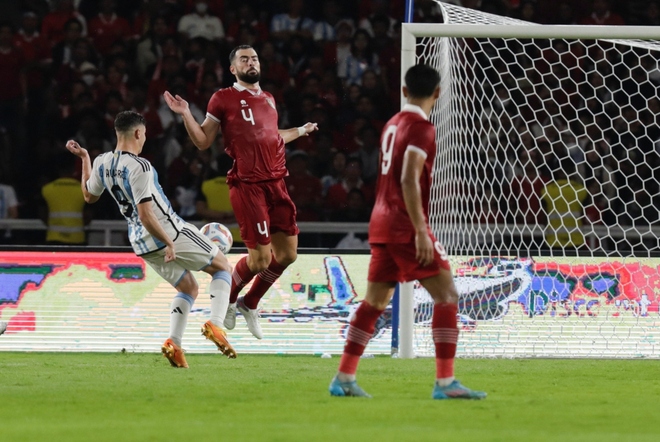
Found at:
(174, 354)
(218, 336)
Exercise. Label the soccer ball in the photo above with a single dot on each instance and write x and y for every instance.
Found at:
(220, 235)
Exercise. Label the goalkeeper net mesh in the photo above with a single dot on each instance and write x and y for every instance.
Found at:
(546, 192)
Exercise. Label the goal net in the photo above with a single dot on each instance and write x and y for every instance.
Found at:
(546, 185)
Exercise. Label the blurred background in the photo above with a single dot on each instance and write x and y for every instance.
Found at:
(67, 67)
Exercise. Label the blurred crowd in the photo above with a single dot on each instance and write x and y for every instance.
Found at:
(67, 67)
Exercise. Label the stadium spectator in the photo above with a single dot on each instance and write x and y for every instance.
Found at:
(8, 207)
(378, 10)
(247, 19)
(13, 91)
(402, 245)
(172, 247)
(201, 24)
(149, 50)
(602, 15)
(336, 52)
(37, 52)
(368, 153)
(107, 27)
(336, 173)
(261, 203)
(63, 49)
(324, 29)
(213, 202)
(293, 22)
(304, 188)
(361, 58)
(337, 196)
(566, 14)
(53, 26)
(64, 210)
(564, 199)
(652, 15)
(527, 11)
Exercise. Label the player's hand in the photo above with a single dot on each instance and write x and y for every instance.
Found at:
(176, 103)
(423, 248)
(310, 127)
(76, 149)
(170, 254)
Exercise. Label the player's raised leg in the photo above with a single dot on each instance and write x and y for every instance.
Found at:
(445, 337)
(284, 252)
(220, 271)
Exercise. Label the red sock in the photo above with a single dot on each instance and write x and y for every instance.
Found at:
(445, 338)
(262, 283)
(239, 278)
(359, 333)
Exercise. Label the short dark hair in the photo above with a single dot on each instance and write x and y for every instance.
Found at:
(127, 120)
(232, 54)
(422, 80)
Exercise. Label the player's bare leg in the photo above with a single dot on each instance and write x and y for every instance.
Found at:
(269, 261)
(445, 337)
(360, 332)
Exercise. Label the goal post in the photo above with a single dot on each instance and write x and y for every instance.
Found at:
(546, 186)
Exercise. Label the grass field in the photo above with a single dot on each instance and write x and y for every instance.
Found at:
(139, 397)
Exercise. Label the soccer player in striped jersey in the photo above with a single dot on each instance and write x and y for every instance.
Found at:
(403, 247)
(172, 247)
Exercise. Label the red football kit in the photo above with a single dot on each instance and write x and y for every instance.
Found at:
(391, 232)
(258, 195)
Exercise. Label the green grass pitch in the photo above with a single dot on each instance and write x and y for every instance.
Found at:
(139, 397)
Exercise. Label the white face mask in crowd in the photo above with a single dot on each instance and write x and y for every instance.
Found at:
(201, 8)
(89, 79)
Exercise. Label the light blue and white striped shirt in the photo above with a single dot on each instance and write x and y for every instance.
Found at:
(132, 180)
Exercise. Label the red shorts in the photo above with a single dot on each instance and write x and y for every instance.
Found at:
(394, 262)
(261, 209)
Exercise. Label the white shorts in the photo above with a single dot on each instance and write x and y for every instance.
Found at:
(194, 251)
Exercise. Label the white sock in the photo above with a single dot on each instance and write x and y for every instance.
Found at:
(181, 305)
(443, 382)
(344, 377)
(219, 289)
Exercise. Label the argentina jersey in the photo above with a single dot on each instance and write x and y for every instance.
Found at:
(132, 180)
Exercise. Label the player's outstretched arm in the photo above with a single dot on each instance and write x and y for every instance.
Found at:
(202, 135)
(296, 132)
(76, 149)
(150, 222)
(413, 164)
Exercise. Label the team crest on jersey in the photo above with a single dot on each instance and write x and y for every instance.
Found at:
(243, 103)
(270, 102)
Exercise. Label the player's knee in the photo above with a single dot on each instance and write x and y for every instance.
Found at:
(446, 297)
(188, 285)
(288, 258)
(260, 263)
(219, 263)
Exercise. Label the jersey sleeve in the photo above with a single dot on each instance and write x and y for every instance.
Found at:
(215, 108)
(421, 138)
(94, 184)
(141, 184)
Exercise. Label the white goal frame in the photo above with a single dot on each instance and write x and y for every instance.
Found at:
(522, 30)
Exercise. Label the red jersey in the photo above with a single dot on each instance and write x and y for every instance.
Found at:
(409, 129)
(249, 124)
